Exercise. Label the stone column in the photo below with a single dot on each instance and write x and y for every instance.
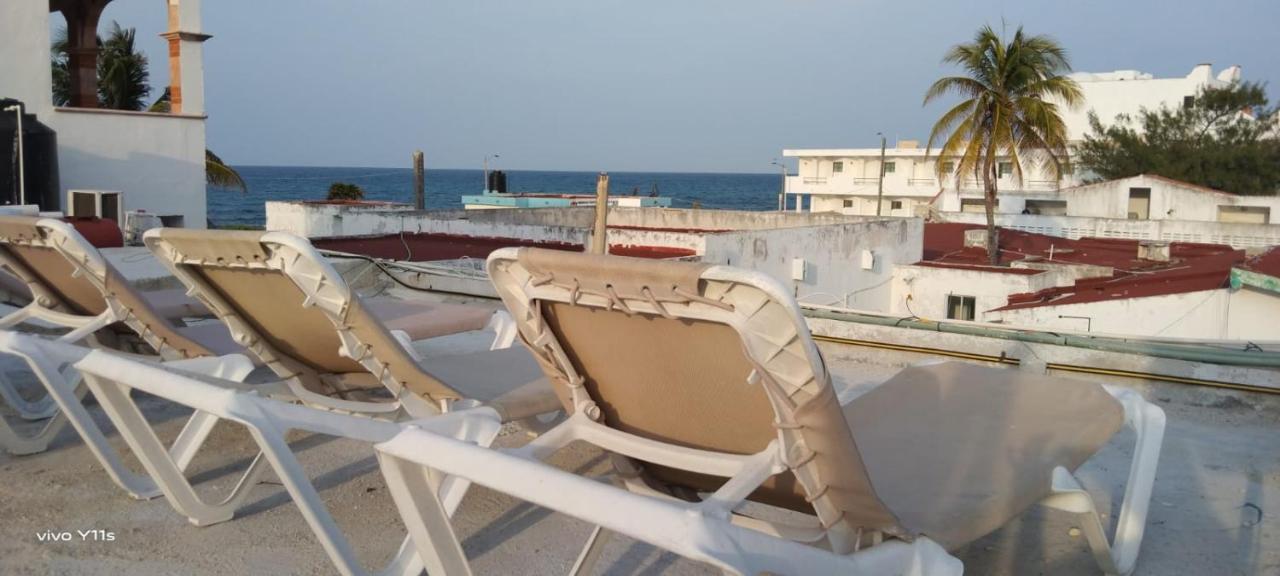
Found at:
(186, 57)
(82, 51)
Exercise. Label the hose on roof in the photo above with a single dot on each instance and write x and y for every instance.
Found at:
(1251, 357)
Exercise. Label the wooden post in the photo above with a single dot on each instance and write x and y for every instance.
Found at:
(599, 236)
(419, 182)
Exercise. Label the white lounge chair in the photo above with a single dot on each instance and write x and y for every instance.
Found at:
(706, 382)
(287, 305)
(112, 377)
(73, 287)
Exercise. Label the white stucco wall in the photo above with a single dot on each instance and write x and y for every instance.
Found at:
(1236, 235)
(1169, 200)
(156, 160)
(24, 55)
(833, 258)
(923, 290)
(1212, 314)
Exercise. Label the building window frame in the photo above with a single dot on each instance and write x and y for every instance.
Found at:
(1004, 169)
(890, 167)
(837, 167)
(960, 307)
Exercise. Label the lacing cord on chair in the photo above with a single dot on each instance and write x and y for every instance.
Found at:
(618, 302)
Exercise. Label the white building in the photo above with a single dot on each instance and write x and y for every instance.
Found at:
(847, 180)
(155, 160)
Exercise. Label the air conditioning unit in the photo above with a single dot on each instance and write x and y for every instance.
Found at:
(107, 204)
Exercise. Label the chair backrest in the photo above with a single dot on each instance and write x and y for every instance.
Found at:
(66, 273)
(698, 356)
(287, 305)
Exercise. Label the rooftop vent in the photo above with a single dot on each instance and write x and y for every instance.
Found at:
(976, 238)
(1153, 250)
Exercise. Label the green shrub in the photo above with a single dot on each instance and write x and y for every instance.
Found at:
(345, 191)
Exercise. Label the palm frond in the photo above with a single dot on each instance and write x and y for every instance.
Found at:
(219, 175)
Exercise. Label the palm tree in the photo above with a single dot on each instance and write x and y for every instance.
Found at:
(122, 72)
(1009, 109)
(219, 175)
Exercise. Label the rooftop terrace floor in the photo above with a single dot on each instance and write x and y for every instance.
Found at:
(1216, 508)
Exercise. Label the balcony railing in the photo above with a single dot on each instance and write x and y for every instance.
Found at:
(813, 180)
(921, 181)
(865, 180)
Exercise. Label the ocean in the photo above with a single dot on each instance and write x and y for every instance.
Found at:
(445, 187)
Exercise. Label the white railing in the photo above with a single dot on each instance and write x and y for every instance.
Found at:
(1074, 227)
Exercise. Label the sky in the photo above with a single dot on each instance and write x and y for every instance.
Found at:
(638, 85)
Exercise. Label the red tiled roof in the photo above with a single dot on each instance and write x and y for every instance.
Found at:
(1191, 275)
(1266, 263)
(1191, 267)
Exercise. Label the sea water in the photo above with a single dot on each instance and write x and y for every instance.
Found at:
(445, 187)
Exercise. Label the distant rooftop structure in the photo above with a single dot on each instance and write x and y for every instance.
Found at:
(1130, 91)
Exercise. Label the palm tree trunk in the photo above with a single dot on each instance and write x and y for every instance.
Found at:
(993, 244)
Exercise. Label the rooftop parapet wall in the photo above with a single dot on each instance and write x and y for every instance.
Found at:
(1074, 227)
(321, 219)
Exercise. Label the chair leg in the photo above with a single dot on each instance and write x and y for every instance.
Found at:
(166, 468)
(1119, 556)
(27, 409)
(276, 451)
(67, 390)
(19, 445)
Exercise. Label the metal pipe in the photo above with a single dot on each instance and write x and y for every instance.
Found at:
(782, 188)
(22, 156)
(880, 185)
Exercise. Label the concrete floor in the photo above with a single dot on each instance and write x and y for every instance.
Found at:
(1212, 511)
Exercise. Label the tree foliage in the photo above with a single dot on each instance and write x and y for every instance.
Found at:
(345, 191)
(1226, 139)
(1009, 109)
(123, 73)
(219, 175)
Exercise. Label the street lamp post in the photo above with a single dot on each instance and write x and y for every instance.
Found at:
(782, 187)
(486, 170)
(22, 157)
(880, 183)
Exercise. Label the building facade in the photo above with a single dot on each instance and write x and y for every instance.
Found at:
(849, 180)
(155, 160)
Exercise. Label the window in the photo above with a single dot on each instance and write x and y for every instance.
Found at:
(889, 167)
(1244, 214)
(895, 205)
(837, 167)
(973, 205)
(1188, 101)
(1004, 169)
(948, 168)
(1139, 203)
(848, 203)
(1046, 207)
(960, 307)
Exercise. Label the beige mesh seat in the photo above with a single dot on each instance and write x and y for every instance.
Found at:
(291, 309)
(72, 286)
(706, 379)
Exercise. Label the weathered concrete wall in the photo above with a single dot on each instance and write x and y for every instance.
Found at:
(1237, 235)
(317, 220)
(923, 290)
(833, 257)
(1221, 314)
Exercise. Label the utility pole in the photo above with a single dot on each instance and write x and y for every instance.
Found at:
(486, 169)
(419, 181)
(599, 238)
(880, 184)
(782, 188)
